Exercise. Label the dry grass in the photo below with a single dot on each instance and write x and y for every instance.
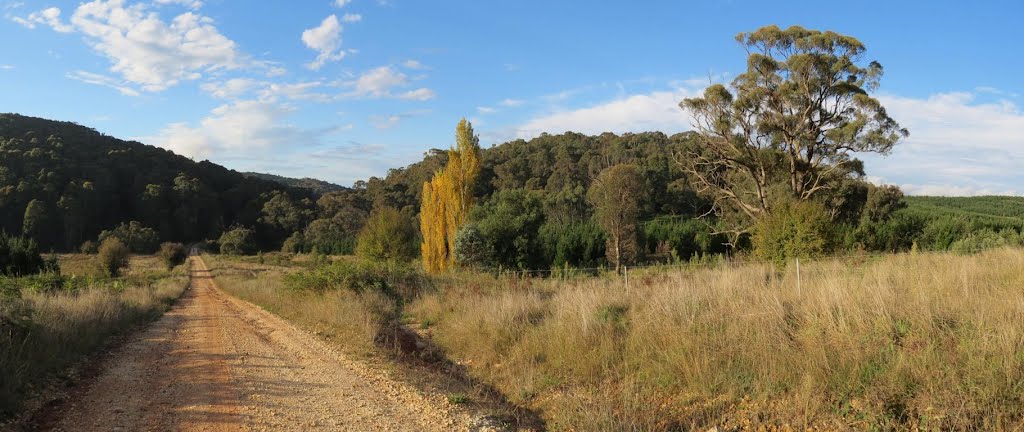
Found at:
(84, 265)
(931, 341)
(43, 333)
(341, 315)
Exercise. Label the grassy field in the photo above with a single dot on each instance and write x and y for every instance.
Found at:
(930, 341)
(49, 323)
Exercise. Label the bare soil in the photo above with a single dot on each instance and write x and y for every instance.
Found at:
(216, 363)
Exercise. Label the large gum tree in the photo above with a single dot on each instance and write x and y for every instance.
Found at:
(786, 128)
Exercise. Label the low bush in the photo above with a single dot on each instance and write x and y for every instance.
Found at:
(173, 254)
(113, 256)
(393, 279)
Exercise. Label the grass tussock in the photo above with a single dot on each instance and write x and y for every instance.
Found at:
(47, 327)
(930, 341)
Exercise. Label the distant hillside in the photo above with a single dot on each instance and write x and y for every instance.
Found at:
(65, 183)
(993, 211)
(319, 187)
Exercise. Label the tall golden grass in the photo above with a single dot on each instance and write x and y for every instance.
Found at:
(43, 333)
(929, 341)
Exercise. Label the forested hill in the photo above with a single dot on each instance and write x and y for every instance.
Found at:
(63, 183)
(318, 187)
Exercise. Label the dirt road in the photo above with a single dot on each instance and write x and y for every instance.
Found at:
(216, 363)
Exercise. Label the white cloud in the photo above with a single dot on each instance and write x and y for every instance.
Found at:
(414, 65)
(341, 3)
(512, 103)
(191, 4)
(231, 89)
(241, 88)
(49, 16)
(420, 94)
(243, 127)
(325, 39)
(6, 67)
(148, 53)
(636, 113)
(103, 80)
(957, 145)
(351, 18)
(486, 110)
(953, 190)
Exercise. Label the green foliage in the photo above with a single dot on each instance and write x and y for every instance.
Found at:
(334, 236)
(573, 244)
(296, 243)
(139, 239)
(113, 256)
(19, 256)
(394, 279)
(986, 239)
(471, 249)
(238, 241)
(509, 223)
(618, 196)
(794, 229)
(173, 254)
(681, 238)
(387, 236)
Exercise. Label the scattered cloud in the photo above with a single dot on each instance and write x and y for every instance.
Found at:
(341, 3)
(414, 65)
(103, 80)
(231, 89)
(634, 113)
(351, 18)
(148, 53)
(390, 121)
(49, 17)
(486, 110)
(957, 145)
(6, 67)
(420, 94)
(191, 4)
(385, 82)
(512, 103)
(249, 127)
(325, 39)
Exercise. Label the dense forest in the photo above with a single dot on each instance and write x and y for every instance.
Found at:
(63, 185)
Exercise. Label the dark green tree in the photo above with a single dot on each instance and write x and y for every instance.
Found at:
(618, 196)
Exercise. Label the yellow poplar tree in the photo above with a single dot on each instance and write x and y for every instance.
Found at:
(447, 199)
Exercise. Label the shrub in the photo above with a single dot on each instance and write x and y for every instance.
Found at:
(471, 249)
(979, 241)
(137, 238)
(794, 229)
(89, 247)
(238, 241)
(113, 256)
(173, 254)
(387, 236)
(19, 256)
(391, 278)
(574, 245)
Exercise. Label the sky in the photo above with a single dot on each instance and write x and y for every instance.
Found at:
(342, 90)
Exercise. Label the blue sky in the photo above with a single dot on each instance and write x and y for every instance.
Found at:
(345, 89)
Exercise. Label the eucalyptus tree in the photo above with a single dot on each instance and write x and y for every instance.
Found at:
(789, 125)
